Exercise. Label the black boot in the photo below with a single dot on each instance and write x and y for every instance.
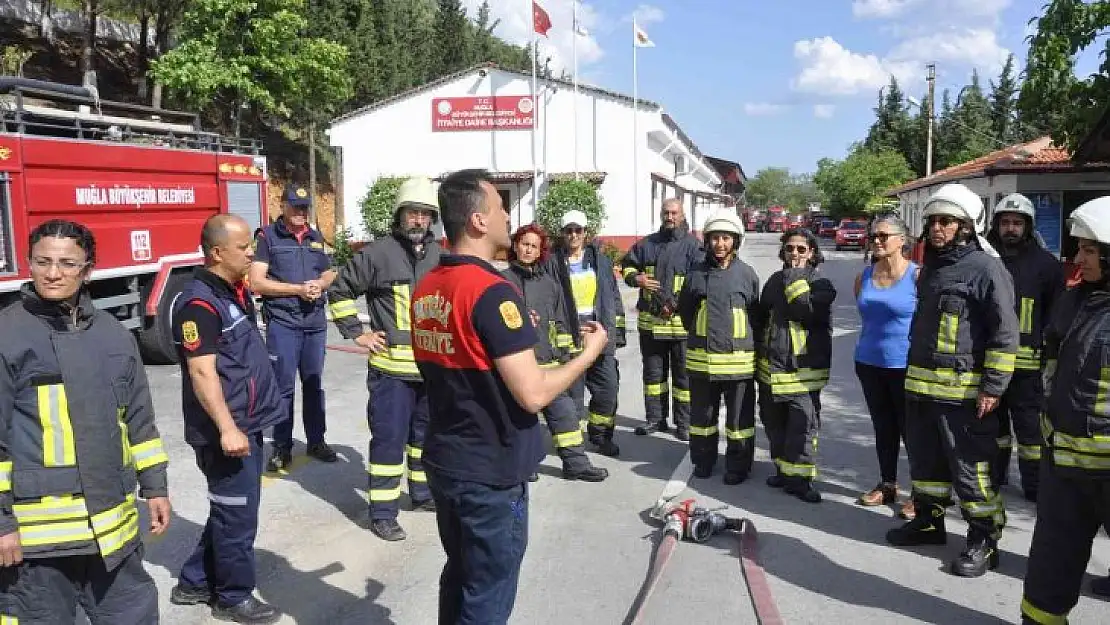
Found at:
(606, 447)
(652, 428)
(702, 471)
(927, 528)
(682, 432)
(802, 489)
(733, 478)
(388, 529)
(250, 610)
(586, 474)
(280, 459)
(776, 481)
(980, 556)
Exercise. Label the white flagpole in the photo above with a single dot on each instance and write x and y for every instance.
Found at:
(575, 35)
(635, 136)
(535, 117)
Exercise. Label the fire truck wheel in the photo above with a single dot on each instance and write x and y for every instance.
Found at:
(156, 336)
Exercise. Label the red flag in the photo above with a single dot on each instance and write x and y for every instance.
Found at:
(540, 20)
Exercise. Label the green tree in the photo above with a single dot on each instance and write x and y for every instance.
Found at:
(250, 52)
(377, 205)
(891, 129)
(973, 134)
(1052, 95)
(567, 195)
(857, 182)
(769, 187)
(1003, 105)
(452, 37)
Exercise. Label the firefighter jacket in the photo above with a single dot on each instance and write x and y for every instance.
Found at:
(1038, 281)
(608, 305)
(796, 317)
(665, 255)
(715, 306)
(543, 298)
(77, 431)
(1076, 423)
(964, 334)
(385, 271)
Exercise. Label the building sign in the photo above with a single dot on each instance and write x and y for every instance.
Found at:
(509, 112)
(1049, 209)
(133, 196)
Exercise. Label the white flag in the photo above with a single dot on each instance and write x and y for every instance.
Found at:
(641, 39)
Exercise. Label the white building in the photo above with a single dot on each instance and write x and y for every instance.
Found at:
(448, 125)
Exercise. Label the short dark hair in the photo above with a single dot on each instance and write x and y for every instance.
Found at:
(214, 232)
(460, 196)
(811, 241)
(64, 229)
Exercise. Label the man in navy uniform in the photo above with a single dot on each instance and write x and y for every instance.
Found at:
(229, 397)
(291, 271)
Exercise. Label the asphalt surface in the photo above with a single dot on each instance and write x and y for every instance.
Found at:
(591, 544)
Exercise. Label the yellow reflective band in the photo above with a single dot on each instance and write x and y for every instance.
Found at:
(1096, 444)
(109, 519)
(947, 333)
(66, 508)
(602, 420)
(387, 494)
(416, 453)
(125, 441)
(57, 432)
(401, 297)
(999, 361)
(798, 338)
(1066, 458)
(148, 454)
(582, 423)
(343, 308)
(54, 533)
(1102, 406)
(980, 508)
(739, 323)
(793, 469)
(703, 431)
(679, 280)
(386, 470)
(1038, 615)
(739, 435)
(682, 395)
(122, 533)
(395, 359)
(650, 271)
(620, 321)
(1005, 441)
(8, 620)
(5, 476)
(939, 490)
(418, 476)
(701, 320)
(796, 289)
(628, 272)
(1028, 359)
(1025, 319)
(736, 363)
(564, 341)
(939, 391)
(653, 390)
(568, 439)
(1029, 452)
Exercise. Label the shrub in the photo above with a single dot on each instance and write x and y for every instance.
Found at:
(567, 195)
(377, 205)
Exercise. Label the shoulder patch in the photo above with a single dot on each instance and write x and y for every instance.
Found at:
(510, 314)
(190, 336)
(316, 245)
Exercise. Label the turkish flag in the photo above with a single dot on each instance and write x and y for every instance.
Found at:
(540, 19)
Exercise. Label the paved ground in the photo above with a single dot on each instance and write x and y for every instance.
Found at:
(591, 543)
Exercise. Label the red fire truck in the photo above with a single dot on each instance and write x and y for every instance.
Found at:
(143, 180)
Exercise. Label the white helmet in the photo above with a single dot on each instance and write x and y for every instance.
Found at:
(1092, 220)
(955, 200)
(575, 218)
(419, 192)
(724, 220)
(1016, 203)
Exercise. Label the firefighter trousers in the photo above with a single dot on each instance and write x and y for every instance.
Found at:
(292, 350)
(705, 404)
(47, 591)
(397, 412)
(603, 381)
(1070, 512)
(223, 560)
(658, 357)
(1020, 409)
(950, 448)
(792, 423)
(566, 432)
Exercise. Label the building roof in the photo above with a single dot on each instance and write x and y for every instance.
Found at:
(1038, 156)
(487, 66)
(596, 177)
(1096, 145)
(730, 171)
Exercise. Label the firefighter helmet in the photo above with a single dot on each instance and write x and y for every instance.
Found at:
(1016, 203)
(724, 220)
(417, 192)
(1092, 221)
(955, 200)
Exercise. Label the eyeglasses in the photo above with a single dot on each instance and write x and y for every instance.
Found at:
(881, 237)
(66, 265)
(801, 249)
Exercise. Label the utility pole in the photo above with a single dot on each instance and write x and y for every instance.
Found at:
(932, 79)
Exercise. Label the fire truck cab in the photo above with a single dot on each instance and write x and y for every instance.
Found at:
(143, 180)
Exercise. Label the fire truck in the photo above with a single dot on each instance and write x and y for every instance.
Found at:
(142, 179)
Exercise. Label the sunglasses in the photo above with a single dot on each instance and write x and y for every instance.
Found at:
(882, 237)
(801, 249)
(943, 220)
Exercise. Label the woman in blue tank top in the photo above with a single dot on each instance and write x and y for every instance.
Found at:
(886, 294)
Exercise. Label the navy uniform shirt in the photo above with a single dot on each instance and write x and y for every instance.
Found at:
(292, 258)
(464, 316)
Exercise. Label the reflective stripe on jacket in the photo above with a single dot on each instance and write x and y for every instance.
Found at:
(665, 256)
(717, 307)
(797, 336)
(1038, 279)
(543, 296)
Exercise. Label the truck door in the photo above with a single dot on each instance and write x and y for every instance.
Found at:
(7, 243)
(245, 200)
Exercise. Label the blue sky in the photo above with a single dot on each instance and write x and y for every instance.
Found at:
(779, 82)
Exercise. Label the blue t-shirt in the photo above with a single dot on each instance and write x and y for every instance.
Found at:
(886, 313)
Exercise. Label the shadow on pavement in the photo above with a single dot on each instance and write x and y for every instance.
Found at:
(341, 484)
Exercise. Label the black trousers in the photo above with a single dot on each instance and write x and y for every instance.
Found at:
(603, 381)
(1070, 512)
(792, 423)
(1020, 409)
(659, 356)
(705, 404)
(561, 416)
(884, 391)
(46, 591)
(950, 447)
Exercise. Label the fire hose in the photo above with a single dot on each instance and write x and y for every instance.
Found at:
(686, 521)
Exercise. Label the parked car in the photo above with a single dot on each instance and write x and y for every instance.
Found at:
(851, 234)
(777, 223)
(826, 228)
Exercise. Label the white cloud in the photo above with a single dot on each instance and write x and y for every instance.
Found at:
(645, 14)
(976, 47)
(762, 109)
(516, 27)
(823, 111)
(880, 8)
(829, 68)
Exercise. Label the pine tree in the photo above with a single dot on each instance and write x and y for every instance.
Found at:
(974, 135)
(891, 126)
(945, 139)
(452, 37)
(1003, 102)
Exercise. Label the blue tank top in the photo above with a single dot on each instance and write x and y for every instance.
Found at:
(884, 339)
